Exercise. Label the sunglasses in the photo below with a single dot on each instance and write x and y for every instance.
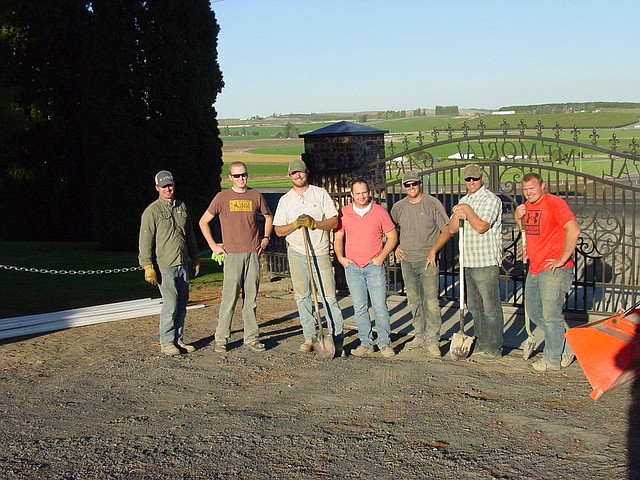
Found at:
(472, 179)
(239, 175)
(410, 184)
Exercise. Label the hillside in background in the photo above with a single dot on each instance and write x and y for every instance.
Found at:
(380, 115)
(569, 107)
(614, 115)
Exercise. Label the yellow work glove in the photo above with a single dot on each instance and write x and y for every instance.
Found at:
(150, 274)
(306, 221)
(217, 257)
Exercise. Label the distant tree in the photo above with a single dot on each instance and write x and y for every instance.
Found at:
(447, 110)
(362, 118)
(290, 130)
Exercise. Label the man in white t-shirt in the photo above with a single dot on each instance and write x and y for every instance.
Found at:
(311, 207)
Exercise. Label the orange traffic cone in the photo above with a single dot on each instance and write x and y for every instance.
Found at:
(608, 350)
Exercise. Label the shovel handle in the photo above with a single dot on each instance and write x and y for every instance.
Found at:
(461, 262)
(314, 290)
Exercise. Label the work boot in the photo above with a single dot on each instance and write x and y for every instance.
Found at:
(220, 346)
(484, 357)
(362, 351)
(170, 350)
(543, 366)
(256, 346)
(433, 350)
(307, 346)
(186, 347)
(567, 359)
(413, 344)
(387, 351)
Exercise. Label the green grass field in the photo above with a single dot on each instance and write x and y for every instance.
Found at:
(25, 293)
(269, 128)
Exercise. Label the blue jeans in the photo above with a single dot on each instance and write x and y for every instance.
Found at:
(485, 306)
(422, 286)
(326, 289)
(174, 288)
(241, 273)
(544, 297)
(367, 282)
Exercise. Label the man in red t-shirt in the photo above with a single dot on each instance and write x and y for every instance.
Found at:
(360, 247)
(552, 234)
(238, 208)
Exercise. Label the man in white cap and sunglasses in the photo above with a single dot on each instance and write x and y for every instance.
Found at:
(167, 241)
(481, 209)
(423, 224)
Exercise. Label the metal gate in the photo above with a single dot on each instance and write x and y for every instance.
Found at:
(607, 255)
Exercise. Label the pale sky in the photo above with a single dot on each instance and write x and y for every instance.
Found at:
(312, 56)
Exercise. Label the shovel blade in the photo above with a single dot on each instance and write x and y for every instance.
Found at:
(324, 346)
(460, 346)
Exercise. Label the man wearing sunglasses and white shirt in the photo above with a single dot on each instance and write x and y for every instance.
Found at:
(424, 230)
(238, 208)
(481, 209)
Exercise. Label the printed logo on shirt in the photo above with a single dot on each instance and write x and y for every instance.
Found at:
(532, 222)
(240, 205)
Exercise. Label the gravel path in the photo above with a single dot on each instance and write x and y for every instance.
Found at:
(101, 402)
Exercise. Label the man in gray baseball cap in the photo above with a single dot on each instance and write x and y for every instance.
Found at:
(164, 178)
(164, 250)
(308, 207)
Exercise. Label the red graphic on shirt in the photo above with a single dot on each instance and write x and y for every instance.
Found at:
(532, 221)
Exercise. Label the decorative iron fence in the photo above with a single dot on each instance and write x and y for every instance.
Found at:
(607, 255)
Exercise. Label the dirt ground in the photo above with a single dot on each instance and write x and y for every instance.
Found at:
(236, 151)
(102, 402)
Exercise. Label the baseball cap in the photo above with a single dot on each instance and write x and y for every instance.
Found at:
(411, 176)
(473, 170)
(297, 166)
(164, 178)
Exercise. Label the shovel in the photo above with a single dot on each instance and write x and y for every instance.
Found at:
(322, 344)
(530, 343)
(461, 343)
